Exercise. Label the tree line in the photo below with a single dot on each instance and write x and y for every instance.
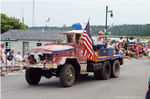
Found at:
(119, 30)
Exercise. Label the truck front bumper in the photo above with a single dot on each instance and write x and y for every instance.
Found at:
(39, 65)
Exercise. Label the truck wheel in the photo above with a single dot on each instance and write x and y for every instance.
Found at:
(115, 71)
(33, 76)
(67, 75)
(105, 71)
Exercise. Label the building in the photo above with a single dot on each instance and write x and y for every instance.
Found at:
(23, 40)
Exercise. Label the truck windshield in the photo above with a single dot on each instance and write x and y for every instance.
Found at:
(70, 38)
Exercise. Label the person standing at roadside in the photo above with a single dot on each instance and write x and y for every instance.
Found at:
(19, 60)
(148, 92)
(2, 56)
(10, 61)
(148, 50)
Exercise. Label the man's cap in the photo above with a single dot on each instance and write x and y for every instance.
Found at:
(100, 32)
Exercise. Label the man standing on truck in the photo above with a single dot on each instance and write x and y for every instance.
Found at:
(99, 41)
(100, 38)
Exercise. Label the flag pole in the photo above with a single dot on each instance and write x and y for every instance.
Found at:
(87, 23)
(49, 23)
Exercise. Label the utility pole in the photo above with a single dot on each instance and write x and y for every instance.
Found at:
(111, 15)
(33, 14)
(106, 20)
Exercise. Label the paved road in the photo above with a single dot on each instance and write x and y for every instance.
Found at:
(132, 84)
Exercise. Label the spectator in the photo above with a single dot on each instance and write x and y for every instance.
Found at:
(2, 56)
(122, 51)
(135, 46)
(116, 48)
(148, 92)
(128, 53)
(108, 45)
(111, 45)
(125, 45)
(9, 61)
(133, 52)
(140, 51)
(19, 60)
(148, 50)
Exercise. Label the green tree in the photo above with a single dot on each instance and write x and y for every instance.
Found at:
(11, 23)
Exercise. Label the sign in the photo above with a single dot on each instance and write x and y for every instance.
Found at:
(9, 39)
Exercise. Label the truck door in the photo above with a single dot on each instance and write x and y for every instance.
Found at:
(79, 54)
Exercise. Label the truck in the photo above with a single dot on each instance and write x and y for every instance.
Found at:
(66, 61)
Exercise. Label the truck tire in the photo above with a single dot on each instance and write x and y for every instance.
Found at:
(33, 76)
(106, 70)
(115, 70)
(67, 75)
(103, 73)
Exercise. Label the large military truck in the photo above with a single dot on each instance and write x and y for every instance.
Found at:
(66, 61)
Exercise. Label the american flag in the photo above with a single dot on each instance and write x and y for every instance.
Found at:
(111, 26)
(47, 20)
(87, 28)
(87, 42)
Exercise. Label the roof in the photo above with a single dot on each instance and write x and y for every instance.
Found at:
(73, 31)
(45, 35)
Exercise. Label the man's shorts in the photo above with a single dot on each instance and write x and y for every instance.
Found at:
(2, 64)
(9, 63)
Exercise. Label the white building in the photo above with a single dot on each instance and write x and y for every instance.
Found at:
(23, 40)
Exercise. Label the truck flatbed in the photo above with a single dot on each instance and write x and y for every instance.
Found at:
(104, 58)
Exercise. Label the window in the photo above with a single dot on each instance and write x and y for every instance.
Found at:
(8, 45)
(70, 38)
(38, 44)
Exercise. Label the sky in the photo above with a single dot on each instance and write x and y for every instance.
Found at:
(68, 12)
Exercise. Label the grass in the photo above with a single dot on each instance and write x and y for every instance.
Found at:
(146, 37)
(142, 37)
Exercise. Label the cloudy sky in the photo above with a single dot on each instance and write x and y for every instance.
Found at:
(72, 11)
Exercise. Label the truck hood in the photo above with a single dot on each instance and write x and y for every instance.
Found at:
(54, 49)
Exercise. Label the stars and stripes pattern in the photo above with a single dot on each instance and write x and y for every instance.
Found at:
(87, 42)
(48, 20)
(111, 26)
